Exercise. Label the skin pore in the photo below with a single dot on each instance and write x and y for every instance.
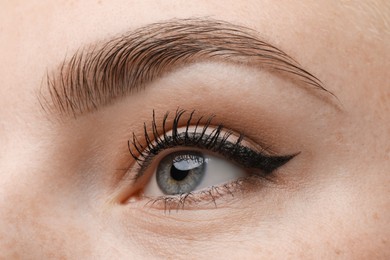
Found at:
(67, 184)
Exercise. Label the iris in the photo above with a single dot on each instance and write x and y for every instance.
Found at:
(180, 172)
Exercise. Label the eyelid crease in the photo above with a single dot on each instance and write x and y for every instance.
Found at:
(98, 74)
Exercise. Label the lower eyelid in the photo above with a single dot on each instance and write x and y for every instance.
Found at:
(209, 198)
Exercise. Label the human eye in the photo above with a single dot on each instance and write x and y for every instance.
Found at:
(192, 163)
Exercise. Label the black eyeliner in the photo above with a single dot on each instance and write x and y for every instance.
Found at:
(216, 141)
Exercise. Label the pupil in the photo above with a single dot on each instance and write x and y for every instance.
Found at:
(178, 175)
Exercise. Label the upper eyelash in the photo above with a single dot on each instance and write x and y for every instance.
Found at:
(213, 141)
(164, 141)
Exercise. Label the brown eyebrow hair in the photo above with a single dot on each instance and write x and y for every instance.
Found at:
(99, 74)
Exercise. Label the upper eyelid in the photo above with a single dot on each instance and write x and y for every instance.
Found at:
(101, 73)
(213, 141)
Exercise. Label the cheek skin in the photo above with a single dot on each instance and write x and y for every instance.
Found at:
(37, 218)
(294, 226)
(49, 219)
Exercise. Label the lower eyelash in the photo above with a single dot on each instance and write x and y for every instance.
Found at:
(198, 199)
(208, 198)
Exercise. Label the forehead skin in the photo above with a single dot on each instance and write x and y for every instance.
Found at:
(344, 43)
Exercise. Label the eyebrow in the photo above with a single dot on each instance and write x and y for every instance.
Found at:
(99, 74)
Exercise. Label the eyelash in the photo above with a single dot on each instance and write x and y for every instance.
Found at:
(261, 164)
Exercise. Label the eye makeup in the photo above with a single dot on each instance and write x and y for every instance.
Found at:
(198, 134)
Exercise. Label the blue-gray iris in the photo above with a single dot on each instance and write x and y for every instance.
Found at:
(180, 172)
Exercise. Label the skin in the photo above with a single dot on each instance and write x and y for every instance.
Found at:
(61, 196)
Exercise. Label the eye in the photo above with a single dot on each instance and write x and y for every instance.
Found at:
(184, 160)
(188, 171)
